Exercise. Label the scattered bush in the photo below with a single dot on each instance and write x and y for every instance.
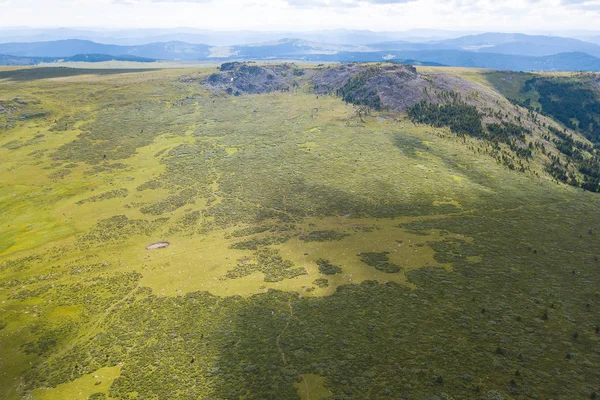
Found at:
(380, 261)
(327, 268)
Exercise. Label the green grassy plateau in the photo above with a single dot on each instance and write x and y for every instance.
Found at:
(314, 252)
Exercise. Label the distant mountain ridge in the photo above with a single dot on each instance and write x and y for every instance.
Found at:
(91, 58)
(130, 37)
(521, 44)
(71, 47)
(491, 50)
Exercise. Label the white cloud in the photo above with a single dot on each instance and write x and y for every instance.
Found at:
(340, 3)
(391, 15)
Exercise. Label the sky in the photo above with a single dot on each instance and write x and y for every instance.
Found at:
(304, 15)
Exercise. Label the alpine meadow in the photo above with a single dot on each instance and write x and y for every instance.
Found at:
(295, 230)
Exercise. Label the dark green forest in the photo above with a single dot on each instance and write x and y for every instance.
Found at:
(570, 102)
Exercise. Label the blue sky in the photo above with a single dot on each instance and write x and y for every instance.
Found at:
(289, 15)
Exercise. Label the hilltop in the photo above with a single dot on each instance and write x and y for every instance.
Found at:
(283, 231)
(522, 139)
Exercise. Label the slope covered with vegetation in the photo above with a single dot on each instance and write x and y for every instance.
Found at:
(574, 102)
(164, 238)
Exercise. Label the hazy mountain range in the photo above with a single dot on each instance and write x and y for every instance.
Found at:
(513, 51)
(129, 37)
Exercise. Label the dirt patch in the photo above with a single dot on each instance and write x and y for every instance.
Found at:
(160, 245)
